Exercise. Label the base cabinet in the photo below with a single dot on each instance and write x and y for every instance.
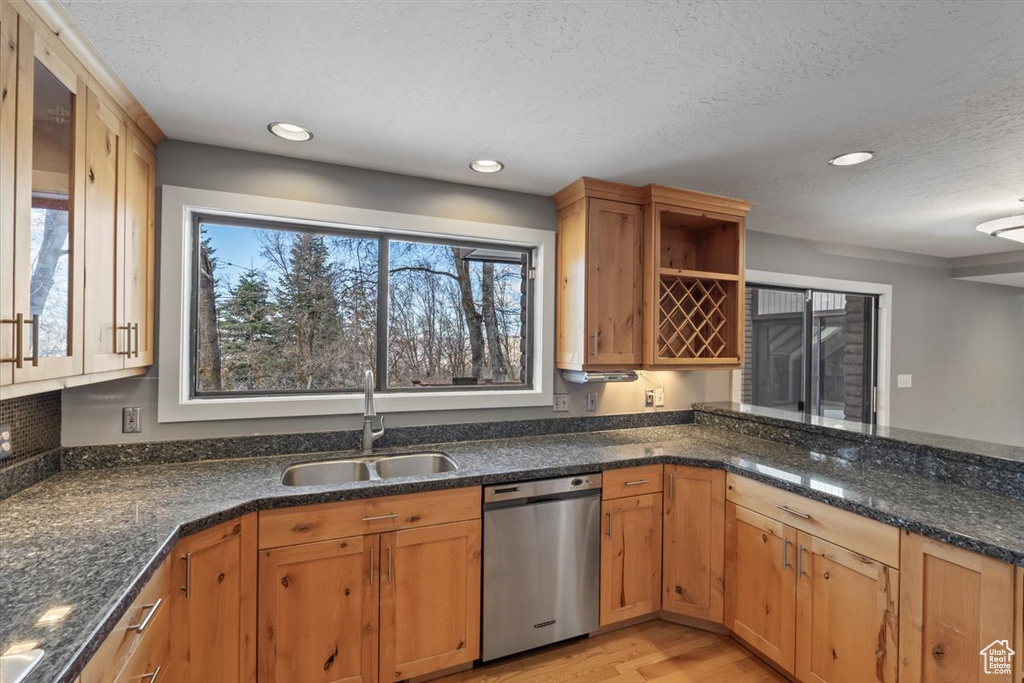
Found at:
(213, 609)
(846, 611)
(760, 602)
(694, 543)
(429, 599)
(318, 607)
(955, 604)
(630, 557)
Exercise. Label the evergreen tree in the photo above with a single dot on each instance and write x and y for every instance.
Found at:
(249, 333)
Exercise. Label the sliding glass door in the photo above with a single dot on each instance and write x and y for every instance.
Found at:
(810, 351)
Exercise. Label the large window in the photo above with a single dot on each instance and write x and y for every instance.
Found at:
(811, 351)
(282, 309)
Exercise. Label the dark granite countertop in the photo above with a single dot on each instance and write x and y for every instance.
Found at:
(90, 539)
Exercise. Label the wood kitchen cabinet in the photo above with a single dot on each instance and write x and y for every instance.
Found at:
(599, 295)
(213, 611)
(760, 600)
(694, 542)
(846, 610)
(379, 589)
(76, 211)
(429, 599)
(953, 604)
(630, 544)
(318, 611)
(648, 277)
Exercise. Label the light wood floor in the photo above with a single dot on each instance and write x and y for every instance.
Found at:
(652, 652)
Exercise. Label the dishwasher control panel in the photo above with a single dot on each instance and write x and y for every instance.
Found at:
(542, 487)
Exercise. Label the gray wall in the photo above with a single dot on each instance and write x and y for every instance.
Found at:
(92, 413)
(963, 342)
(960, 340)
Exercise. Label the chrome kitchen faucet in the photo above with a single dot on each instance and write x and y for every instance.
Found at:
(369, 412)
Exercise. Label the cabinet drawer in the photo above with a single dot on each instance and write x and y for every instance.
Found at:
(861, 535)
(289, 526)
(631, 481)
(138, 625)
(152, 655)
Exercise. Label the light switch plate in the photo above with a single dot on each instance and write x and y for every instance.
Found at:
(903, 381)
(591, 402)
(659, 398)
(561, 404)
(131, 421)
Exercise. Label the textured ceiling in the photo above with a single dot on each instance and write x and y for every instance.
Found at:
(747, 99)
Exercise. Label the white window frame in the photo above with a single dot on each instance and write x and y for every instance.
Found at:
(179, 207)
(884, 294)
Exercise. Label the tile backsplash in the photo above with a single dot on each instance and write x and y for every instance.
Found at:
(35, 426)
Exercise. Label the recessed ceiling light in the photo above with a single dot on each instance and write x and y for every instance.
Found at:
(851, 159)
(486, 165)
(290, 131)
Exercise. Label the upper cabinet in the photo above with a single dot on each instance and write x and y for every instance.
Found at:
(77, 179)
(648, 277)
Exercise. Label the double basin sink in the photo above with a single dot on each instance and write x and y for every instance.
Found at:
(325, 472)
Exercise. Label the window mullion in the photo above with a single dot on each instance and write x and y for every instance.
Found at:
(383, 294)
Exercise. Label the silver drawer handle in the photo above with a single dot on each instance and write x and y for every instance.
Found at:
(638, 482)
(791, 511)
(374, 519)
(152, 607)
(151, 677)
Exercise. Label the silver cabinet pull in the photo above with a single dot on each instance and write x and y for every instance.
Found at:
(802, 515)
(377, 517)
(638, 482)
(609, 524)
(371, 566)
(671, 487)
(799, 561)
(35, 341)
(152, 607)
(594, 337)
(128, 337)
(19, 340)
(135, 331)
(785, 554)
(151, 677)
(390, 563)
(187, 559)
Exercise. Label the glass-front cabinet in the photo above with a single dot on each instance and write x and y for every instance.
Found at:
(42, 236)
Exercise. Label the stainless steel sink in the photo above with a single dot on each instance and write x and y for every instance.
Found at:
(414, 464)
(326, 472)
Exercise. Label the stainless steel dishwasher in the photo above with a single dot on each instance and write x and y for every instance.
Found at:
(542, 563)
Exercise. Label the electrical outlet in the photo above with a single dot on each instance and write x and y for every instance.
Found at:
(561, 404)
(6, 449)
(649, 398)
(131, 421)
(903, 381)
(591, 402)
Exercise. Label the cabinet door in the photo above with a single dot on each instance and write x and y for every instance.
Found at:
(846, 615)
(214, 615)
(48, 202)
(614, 283)
(694, 542)
(630, 557)
(318, 612)
(8, 134)
(106, 339)
(429, 599)
(139, 251)
(760, 584)
(953, 604)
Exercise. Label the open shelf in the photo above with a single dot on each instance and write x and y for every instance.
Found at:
(694, 241)
(703, 274)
